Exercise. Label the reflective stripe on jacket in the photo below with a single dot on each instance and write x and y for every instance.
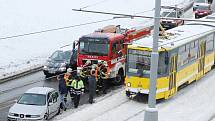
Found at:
(66, 78)
(77, 85)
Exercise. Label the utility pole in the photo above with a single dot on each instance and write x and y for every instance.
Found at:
(151, 113)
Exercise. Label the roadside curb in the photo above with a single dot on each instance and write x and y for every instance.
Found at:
(21, 73)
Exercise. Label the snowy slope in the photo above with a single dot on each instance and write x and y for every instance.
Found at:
(19, 17)
(195, 102)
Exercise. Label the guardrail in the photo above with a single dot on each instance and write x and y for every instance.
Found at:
(21, 73)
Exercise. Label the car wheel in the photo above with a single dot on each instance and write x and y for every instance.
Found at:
(128, 94)
(47, 74)
(59, 110)
(46, 117)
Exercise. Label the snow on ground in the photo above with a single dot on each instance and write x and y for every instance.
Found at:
(195, 102)
(19, 17)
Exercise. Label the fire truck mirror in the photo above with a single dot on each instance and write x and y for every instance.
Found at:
(120, 53)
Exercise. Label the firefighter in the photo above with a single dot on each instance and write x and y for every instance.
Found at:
(99, 82)
(85, 73)
(78, 87)
(62, 90)
(92, 85)
(67, 78)
(104, 72)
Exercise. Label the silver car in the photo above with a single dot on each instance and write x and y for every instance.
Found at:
(36, 104)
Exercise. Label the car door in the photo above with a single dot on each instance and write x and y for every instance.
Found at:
(53, 104)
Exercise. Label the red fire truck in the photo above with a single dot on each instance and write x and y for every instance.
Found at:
(108, 45)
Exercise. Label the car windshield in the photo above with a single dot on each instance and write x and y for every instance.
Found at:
(202, 7)
(200, 1)
(168, 14)
(94, 46)
(32, 99)
(60, 55)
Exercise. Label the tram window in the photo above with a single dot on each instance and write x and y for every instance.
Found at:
(187, 47)
(182, 49)
(196, 43)
(162, 66)
(192, 45)
(193, 54)
(183, 53)
(209, 46)
(210, 37)
(137, 62)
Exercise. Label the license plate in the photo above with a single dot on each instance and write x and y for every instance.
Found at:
(51, 71)
(21, 120)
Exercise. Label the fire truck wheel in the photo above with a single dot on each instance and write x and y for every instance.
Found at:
(119, 78)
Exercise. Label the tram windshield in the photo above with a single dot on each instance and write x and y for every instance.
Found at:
(139, 63)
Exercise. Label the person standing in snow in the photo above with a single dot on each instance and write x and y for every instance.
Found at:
(62, 90)
(67, 78)
(92, 85)
(78, 88)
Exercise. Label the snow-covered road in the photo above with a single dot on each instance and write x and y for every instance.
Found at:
(195, 102)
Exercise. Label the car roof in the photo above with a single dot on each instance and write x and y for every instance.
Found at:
(201, 4)
(40, 90)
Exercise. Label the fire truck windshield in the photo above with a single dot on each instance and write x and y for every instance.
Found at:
(94, 46)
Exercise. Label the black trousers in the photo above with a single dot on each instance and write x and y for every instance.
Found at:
(104, 85)
(76, 100)
(70, 93)
(91, 95)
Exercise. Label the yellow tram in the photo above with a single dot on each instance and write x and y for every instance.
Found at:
(187, 54)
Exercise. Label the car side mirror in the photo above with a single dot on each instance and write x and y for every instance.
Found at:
(50, 103)
(15, 100)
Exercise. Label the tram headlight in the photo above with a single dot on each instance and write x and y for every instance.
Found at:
(129, 84)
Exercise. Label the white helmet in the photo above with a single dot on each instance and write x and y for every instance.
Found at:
(69, 70)
(88, 62)
(105, 63)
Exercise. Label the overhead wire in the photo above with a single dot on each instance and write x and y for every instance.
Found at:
(94, 4)
(141, 16)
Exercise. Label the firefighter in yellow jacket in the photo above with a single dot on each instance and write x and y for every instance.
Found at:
(78, 88)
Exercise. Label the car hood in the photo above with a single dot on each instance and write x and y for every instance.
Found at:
(55, 64)
(27, 109)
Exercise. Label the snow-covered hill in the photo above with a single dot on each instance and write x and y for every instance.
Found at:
(26, 16)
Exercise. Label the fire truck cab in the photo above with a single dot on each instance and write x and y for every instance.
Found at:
(105, 45)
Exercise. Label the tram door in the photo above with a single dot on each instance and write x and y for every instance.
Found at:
(172, 77)
(201, 54)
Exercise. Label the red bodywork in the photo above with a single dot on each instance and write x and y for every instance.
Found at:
(113, 58)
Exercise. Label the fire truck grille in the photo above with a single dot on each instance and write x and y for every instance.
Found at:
(92, 61)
